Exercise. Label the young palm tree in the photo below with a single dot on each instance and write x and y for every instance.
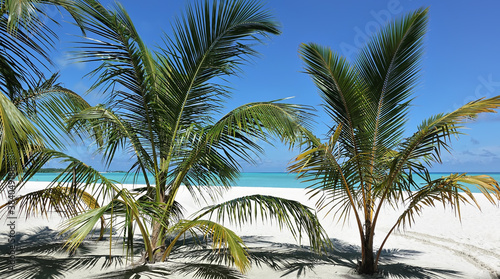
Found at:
(366, 162)
(161, 109)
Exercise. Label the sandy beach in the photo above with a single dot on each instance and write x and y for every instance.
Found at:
(438, 245)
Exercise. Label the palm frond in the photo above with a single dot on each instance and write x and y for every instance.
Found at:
(452, 191)
(342, 91)
(435, 133)
(210, 159)
(389, 67)
(288, 214)
(24, 52)
(65, 201)
(123, 205)
(49, 105)
(424, 147)
(333, 179)
(81, 225)
(222, 239)
(19, 138)
(76, 175)
(124, 58)
(113, 133)
(209, 41)
(263, 120)
(26, 39)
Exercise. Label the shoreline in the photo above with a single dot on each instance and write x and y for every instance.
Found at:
(438, 244)
(250, 179)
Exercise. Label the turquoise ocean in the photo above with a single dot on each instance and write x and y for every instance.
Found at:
(247, 179)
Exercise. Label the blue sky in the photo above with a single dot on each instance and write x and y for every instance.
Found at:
(461, 63)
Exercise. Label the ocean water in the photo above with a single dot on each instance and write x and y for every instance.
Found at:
(248, 179)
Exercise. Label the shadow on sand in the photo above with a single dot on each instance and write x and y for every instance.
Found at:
(293, 259)
(40, 254)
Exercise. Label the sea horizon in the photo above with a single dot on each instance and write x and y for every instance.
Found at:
(249, 179)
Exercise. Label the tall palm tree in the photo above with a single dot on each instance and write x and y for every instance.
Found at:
(161, 110)
(367, 162)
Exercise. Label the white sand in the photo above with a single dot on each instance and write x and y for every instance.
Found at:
(437, 245)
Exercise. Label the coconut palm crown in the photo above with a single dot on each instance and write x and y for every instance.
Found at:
(367, 162)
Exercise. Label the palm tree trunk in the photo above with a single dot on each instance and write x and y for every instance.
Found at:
(155, 234)
(367, 265)
(158, 229)
(156, 240)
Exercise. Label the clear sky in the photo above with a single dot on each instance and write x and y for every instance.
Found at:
(461, 63)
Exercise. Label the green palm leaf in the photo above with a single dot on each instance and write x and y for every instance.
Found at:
(215, 148)
(122, 204)
(288, 214)
(342, 91)
(435, 133)
(19, 138)
(222, 238)
(112, 133)
(389, 67)
(65, 201)
(49, 105)
(26, 39)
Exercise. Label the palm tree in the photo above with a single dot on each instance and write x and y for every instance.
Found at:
(161, 109)
(27, 99)
(367, 162)
(33, 109)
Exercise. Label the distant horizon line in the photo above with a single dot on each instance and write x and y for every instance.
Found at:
(121, 171)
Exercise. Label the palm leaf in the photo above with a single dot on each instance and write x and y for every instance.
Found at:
(208, 43)
(434, 133)
(124, 205)
(49, 105)
(112, 133)
(211, 159)
(65, 201)
(19, 138)
(333, 178)
(222, 238)
(288, 214)
(389, 66)
(343, 91)
(26, 39)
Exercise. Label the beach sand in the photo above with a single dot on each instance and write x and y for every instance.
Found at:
(438, 245)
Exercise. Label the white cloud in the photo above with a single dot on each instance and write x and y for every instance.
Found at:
(476, 158)
(66, 60)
